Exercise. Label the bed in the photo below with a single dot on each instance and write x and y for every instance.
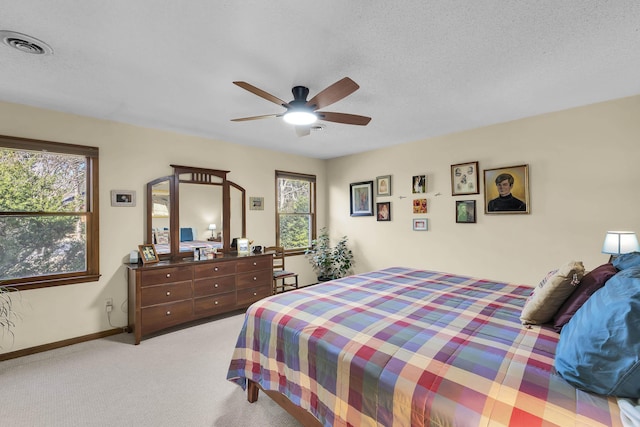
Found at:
(409, 347)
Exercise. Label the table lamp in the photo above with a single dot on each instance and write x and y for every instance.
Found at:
(619, 242)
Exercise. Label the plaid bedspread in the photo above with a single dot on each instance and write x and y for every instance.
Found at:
(406, 347)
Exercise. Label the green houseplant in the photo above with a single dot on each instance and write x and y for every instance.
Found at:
(329, 262)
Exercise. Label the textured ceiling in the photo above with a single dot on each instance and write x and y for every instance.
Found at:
(425, 68)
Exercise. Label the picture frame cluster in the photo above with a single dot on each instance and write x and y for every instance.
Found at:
(506, 191)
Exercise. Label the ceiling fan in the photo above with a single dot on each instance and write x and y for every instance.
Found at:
(303, 113)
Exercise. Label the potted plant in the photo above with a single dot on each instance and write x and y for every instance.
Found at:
(329, 262)
(7, 314)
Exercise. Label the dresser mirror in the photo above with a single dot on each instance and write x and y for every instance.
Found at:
(182, 208)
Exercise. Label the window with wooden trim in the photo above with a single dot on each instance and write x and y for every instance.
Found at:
(48, 213)
(295, 210)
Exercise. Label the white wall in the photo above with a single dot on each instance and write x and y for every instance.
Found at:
(584, 180)
(131, 156)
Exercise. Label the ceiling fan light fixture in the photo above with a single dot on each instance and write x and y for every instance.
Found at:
(300, 117)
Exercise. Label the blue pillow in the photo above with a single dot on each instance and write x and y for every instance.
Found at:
(599, 349)
(624, 261)
(186, 234)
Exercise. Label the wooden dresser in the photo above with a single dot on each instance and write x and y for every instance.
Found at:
(170, 293)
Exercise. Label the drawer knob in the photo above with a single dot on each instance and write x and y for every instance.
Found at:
(168, 313)
(215, 268)
(255, 294)
(255, 263)
(255, 278)
(215, 286)
(168, 293)
(168, 275)
(216, 303)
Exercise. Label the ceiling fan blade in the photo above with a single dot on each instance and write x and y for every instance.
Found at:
(347, 119)
(335, 92)
(303, 130)
(262, 94)
(266, 116)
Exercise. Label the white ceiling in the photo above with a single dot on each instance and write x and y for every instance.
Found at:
(425, 68)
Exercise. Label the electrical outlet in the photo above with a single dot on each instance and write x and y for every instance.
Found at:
(108, 305)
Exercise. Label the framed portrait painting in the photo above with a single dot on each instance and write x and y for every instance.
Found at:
(465, 178)
(506, 190)
(361, 198)
(465, 211)
(383, 185)
(383, 211)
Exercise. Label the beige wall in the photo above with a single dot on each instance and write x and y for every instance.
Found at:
(584, 176)
(131, 156)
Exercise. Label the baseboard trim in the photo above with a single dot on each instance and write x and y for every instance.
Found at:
(59, 344)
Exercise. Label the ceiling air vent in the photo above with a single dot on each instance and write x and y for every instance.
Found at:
(25, 43)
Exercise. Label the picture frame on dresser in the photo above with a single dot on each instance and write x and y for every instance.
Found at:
(148, 253)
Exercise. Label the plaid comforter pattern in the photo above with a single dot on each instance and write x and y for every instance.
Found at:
(407, 347)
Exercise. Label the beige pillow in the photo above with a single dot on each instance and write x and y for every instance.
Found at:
(548, 296)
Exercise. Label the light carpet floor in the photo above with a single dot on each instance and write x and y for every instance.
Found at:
(173, 379)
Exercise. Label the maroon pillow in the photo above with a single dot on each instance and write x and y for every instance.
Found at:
(590, 283)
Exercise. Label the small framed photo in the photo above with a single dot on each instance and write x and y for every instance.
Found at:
(419, 184)
(383, 211)
(506, 190)
(256, 203)
(466, 211)
(361, 198)
(243, 246)
(148, 253)
(419, 206)
(123, 198)
(420, 224)
(465, 178)
(383, 185)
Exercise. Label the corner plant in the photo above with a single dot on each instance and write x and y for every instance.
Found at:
(7, 314)
(330, 263)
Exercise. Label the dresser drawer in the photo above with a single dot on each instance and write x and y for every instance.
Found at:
(165, 315)
(253, 279)
(254, 263)
(152, 295)
(214, 269)
(251, 295)
(211, 305)
(165, 275)
(214, 285)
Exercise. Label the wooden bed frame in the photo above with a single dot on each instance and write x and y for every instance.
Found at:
(306, 418)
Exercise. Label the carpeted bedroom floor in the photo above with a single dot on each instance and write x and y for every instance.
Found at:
(173, 379)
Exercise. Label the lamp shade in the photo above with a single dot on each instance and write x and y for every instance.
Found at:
(212, 226)
(620, 242)
(300, 117)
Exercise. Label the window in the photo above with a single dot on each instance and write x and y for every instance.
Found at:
(295, 211)
(48, 213)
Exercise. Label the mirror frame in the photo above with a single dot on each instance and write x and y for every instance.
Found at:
(197, 176)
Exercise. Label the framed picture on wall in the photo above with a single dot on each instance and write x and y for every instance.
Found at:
(466, 211)
(123, 198)
(465, 178)
(383, 185)
(420, 224)
(419, 206)
(361, 198)
(383, 211)
(419, 184)
(506, 190)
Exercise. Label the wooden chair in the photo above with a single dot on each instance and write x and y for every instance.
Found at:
(280, 274)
